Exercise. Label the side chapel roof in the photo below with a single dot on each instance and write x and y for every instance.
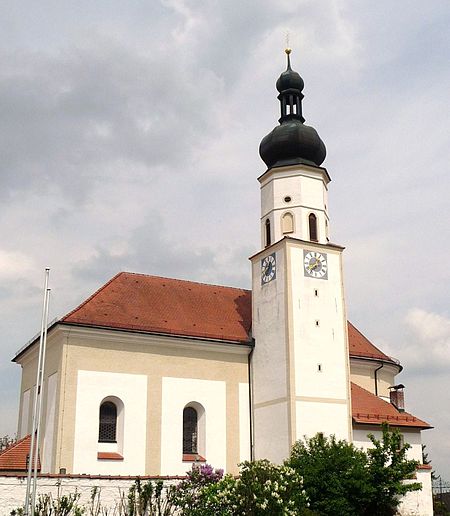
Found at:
(369, 409)
(14, 457)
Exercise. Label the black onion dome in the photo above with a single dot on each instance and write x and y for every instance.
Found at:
(292, 142)
(289, 79)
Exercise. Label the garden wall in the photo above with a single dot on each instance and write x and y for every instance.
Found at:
(13, 488)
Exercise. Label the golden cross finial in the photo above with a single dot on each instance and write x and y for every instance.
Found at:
(287, 49)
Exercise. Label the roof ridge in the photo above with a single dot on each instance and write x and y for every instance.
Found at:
(183, 280)
(91, 296)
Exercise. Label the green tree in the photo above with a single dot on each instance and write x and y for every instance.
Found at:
(334, 474)
(388, 468)
(339, 478)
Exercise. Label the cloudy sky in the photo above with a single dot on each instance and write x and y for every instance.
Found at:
(130, 134)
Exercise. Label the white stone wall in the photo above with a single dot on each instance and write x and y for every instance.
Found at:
(419, 503)
(13, 488)
(416, 503)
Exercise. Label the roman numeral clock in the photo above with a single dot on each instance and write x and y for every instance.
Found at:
(268, 268)
(315, 264)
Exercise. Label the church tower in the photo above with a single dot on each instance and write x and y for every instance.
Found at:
(300, 365)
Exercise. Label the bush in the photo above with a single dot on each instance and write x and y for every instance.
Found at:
(341, 479)
(262, 488)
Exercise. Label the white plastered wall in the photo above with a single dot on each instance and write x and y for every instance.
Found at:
(92, 388)
(269, 361)
(412, 437)
(176, 394)
(307, 188)
(25, 415)
(244, 422)
(320, 348)
(47, 451)
(417, 503)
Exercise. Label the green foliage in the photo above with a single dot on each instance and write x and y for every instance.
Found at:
(262, 488)
(334, 474)
(388, 467)
(323, 476)
(149, 499)
(64, 505)
(341, 479)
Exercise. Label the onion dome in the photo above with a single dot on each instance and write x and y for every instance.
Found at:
(292, 142)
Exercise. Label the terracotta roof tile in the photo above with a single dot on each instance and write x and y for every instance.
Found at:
(165, 305)
(359, 345)
(153, 304)
(14, 458)
(372, 410)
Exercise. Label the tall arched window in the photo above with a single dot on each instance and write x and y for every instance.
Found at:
(312, 220)
(287, 223)
(268, 239)
(190, 430)
(107, 428)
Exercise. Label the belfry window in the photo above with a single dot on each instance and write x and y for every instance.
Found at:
(190, 430)
(107, 427)
(268, 239)
(287, 223)
(312, 221)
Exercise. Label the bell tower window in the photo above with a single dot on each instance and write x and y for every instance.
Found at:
(267, 227)
(312, 221)
(287, 223)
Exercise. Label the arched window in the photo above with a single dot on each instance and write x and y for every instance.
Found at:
(190, 430)
(312, 220)
(287, 223)
(268, 239)
(107, 428)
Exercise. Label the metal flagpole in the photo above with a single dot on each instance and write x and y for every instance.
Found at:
(36, 396)
(38, 418)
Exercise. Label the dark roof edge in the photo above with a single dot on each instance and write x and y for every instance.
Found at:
(389, 360)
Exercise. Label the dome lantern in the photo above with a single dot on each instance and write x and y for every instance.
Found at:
(292, 142)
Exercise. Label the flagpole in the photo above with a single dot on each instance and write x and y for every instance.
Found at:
(37, 394)
(39, 417)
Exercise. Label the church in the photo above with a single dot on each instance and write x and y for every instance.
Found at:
(150, 375)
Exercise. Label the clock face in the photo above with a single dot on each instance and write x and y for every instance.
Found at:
(268, 268)
(315, 264)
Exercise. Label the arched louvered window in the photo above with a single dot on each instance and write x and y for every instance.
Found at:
(190, 430)
(268, 239)
(107, 428)
(287, 223)
(312, 220)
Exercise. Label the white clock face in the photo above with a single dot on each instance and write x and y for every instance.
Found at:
(268, 268)
(315, 264)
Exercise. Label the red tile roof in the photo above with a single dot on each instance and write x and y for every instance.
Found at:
(371, 410)
(153, 304)
(360, 346)
(14, 457)
(164, 305)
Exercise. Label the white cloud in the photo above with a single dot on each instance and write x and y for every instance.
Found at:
(428, 344)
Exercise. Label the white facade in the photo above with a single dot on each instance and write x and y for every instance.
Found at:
(209, 399)
(300, 366)
(129, 391)
(298, 190)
